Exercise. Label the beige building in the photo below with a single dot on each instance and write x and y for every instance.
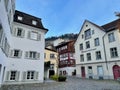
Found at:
(52, 57)
(97, 51)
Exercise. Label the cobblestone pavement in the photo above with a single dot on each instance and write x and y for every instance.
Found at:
(72, 83)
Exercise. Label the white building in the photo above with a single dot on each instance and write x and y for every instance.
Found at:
(7, 8)
(26, 58)
(97, 51)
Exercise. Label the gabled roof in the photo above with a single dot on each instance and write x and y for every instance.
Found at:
(112, 25)
(107, 27)
(27, 20)
(50, 50)
(64, 43)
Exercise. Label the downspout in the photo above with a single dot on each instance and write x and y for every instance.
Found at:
(105, 52)
(105, 55)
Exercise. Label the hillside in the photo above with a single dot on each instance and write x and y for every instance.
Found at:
(70, 36)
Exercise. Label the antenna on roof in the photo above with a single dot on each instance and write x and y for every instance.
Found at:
(117, 14)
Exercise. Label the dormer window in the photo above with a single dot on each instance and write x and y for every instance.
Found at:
(34, 22)
(20, 18)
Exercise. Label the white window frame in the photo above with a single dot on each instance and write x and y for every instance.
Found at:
(36, 38)
(87, 34)
(16, 30)
(81, 46)
(113, 52)
(88, 56)
(20, 18)
(28, 56)
(9, 73)
(82, 58)
(96, 41)
(1, 35)
(87, 43)
(13, 76)
(12, 53)
(98, 55)
(30, 75)
(34, 22)
(111, 37)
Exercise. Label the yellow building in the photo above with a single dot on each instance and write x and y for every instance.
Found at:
(52, 57)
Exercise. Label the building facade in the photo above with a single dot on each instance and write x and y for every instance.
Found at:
(97, 51)
(26, 57)
(7, 9)
(51, 56)
(66, 58)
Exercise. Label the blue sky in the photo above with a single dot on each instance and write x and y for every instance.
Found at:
(67, 16)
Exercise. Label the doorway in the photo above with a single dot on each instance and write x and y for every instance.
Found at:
(116, 71)
(83, 72)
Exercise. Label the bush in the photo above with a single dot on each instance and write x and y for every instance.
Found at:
(61, 78)
(58, 78)
(54, 77)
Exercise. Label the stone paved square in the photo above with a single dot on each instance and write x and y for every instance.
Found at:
(72, 83)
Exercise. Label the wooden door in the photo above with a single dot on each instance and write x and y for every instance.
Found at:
(83, 72)
(116, 71)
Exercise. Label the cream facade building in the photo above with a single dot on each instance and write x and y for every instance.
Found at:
(52, 57)
(97, 51)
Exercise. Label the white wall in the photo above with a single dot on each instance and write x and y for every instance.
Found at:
(26, 44)
(6, 29)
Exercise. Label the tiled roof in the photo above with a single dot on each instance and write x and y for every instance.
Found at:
(27, 20)
(112, 25)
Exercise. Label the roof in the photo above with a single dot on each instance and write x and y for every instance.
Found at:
(112, 25)
(27, 20)
(64, 43)
(50, 49)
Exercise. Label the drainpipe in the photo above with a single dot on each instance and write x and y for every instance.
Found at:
(105, 52)
(105, 55)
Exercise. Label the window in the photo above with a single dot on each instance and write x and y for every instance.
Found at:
(96, 41)
(88, 56)
(16, 53)
(81, 46)
(111, 37)
(87, 44)
(82, 36)
(82, 58)
(44, 55)
(32, 55)
(88, 34)
(90, 72)
(1, 35)
(6, 4)
(52, 66)
(20, 18)
(98, 55)
(6, 47)
(13, 75)
(18, 32)
(93, 32)
(30, 75)
(113, 52)
(34, 22)
(34, 35)
(52, 56)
